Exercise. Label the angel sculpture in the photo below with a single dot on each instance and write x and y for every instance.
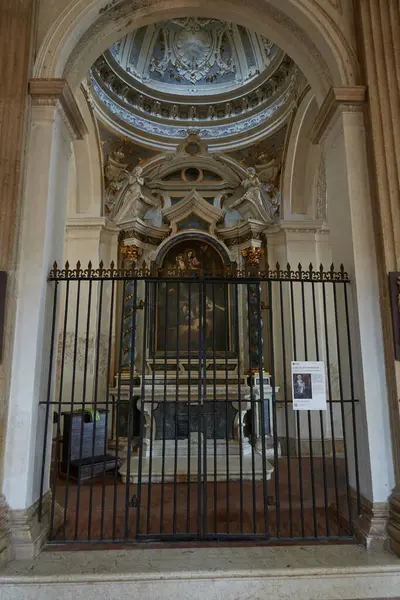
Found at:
(258, 196)
(116, 176)
(132, 202)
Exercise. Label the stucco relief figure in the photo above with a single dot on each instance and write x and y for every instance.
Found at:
(116, 176)
(257, 197)
(266, 166)
(133, 203)
(268, 170)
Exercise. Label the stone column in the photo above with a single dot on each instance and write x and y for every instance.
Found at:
(340, 128)
(378, 28)
(55, 122)
(17, 19)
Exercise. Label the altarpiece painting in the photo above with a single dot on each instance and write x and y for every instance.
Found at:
(192, 315)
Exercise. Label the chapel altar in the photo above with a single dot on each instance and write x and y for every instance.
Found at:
(192, 340)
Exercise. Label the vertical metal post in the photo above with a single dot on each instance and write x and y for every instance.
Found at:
(286, 401)
(142, 434)
(275, 427)
(96, 390)
(110, 340)
(84, 391)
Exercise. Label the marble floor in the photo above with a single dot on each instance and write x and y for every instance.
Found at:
(107, 509)
(327, 572)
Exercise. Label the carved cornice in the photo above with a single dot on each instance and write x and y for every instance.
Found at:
(193, 204)
(88, 223)
(346, 98)
(393, 527)
(51, 92)
(245, 231)
(145, 232)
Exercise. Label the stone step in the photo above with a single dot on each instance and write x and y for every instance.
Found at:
(212, 573)
(240, 468)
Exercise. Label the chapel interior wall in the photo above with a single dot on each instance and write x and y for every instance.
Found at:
(56, 8)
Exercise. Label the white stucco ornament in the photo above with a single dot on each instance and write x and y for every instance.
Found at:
(133, 202)
(259, 201)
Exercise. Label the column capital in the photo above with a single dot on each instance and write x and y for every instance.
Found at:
(340, 97)
(56, 92)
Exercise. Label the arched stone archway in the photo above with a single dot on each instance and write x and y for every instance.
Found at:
(304, 30)
(307, 33)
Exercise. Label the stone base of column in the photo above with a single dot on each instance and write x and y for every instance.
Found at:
(369, 527)
(28, 534)
(6, 551)
(393, 527)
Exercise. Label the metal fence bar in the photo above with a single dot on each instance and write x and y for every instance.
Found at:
(84, 391)
(204, 351)
(321, 421)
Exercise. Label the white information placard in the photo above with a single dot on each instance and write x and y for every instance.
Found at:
(308, 385)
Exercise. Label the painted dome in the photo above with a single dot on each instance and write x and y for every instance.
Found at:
(194, 56)
(162, 82)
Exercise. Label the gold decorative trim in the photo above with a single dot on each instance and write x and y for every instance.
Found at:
(131, 252)
(253, 255)
(143, 271)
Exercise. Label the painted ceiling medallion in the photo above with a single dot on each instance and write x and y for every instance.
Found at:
(194, 55)
(196, 51)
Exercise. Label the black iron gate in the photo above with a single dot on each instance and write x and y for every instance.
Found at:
(170, 406)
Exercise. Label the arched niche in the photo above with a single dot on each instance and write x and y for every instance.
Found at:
(301, 162)
(193, 314)
(193, 239)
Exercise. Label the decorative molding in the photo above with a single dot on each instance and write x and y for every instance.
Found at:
(165, 128)
(52, 92)
(245, 231)
(6, 553)
(322, 198)
(28, 534)
(217, 104)
(315, 226)
(86, 223)
(193, 204)
(393, 527)
(145, 232)
(369, 523)
(346, 98)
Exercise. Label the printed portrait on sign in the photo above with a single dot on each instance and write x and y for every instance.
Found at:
(302, 386)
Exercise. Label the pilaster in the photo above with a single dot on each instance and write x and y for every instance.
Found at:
(340, 128)
(378, 27)
(28, 534)
(370, 526)
(6, 551)
(56, 92)
(17, 22)
(54, 123)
